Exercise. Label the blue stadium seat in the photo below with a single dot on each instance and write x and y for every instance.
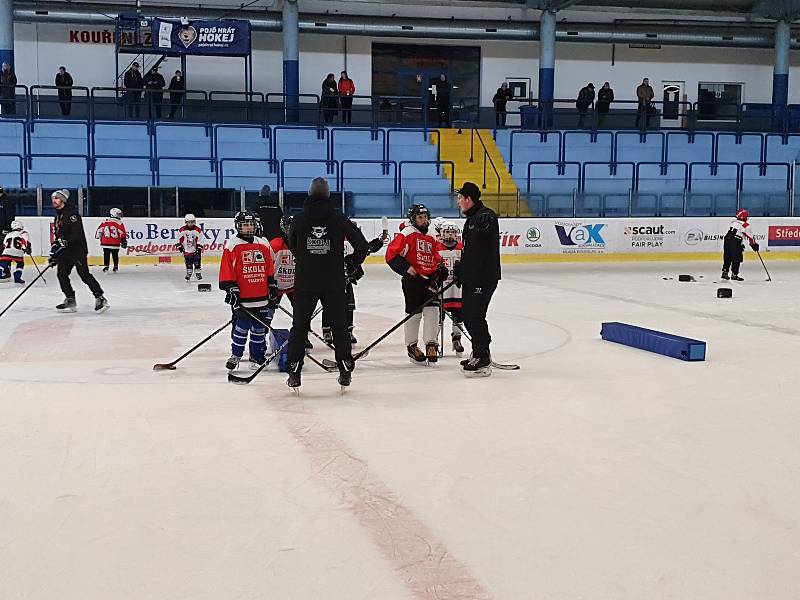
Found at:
(60, 137)
(660, 194)
(58, 172)
(766, 190)
(115, 139)
(12, 136)
(243, 142)
(783, 149)
(578, 146)
(11, 172)
(605, 194)
(633, 147)
(123, 172)
(299, 142)
(252, 175)
(186, 173)
(528, 146)
(552, 194)
(743, 148)
(683, 147)
(182, 140)
(712, 195)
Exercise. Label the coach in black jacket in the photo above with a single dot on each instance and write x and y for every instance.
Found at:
(478, 272)
(70, 250)
(316, 239)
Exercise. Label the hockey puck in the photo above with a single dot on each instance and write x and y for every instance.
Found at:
(685, 278)
(203, 287)
(724, 293)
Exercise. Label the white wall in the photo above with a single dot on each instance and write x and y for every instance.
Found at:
(42, 48)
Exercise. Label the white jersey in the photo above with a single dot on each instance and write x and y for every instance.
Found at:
(449, 258)
(742, 231)
(283, 259)
(190, 239)
(14, 245)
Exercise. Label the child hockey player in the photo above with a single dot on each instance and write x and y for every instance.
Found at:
(413, 254)
(450, 250)
(733, 245)
(15, 246)
(246, 274)
(112, 236)
(190, 238)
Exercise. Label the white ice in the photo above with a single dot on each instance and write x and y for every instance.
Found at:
(596, 472)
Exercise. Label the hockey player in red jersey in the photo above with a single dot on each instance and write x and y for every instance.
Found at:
(246, 274)
(414, 255)
(16, 245)
(733, 245)
(112, 236)
(190, 244)
(450, 250)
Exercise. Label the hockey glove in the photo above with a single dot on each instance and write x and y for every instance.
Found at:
(443, 273)
(457, 273)
(755, 246)
(124, 242)
(434, 284)
(181, 249)
(28, 249)
(352, 271)
(274, 297)
(55, 250)
(232, 296)
(375, 245)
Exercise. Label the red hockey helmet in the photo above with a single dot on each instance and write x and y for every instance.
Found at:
(742, 214)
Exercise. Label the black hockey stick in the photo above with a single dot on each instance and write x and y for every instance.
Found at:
(398, 325)
(171, 366)
(311, 358)
(496, 365)
(25, 289)
(763, 265)
(38, 269)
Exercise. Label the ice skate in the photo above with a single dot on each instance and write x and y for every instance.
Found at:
(199, 276)
(101, 304)
(256, 362)
(353, 340)
(115, 269)
(105, 269)
(415, 354)
(478, 366)
(68, 306)
(188, 276)
(327, 335)
(725, 275)
(233, 363)
(458, 347)
(294, 377)
(735, 277)
(432, 353)
(18, 278)
(345, 375)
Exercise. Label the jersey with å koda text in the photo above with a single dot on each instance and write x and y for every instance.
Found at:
(247, 265)
(449, 257)
(111, 233)
(190, 238)
(416, 249)
(15, 245)
(284, 264)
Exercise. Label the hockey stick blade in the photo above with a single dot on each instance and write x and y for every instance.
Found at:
(164, 367)
(503, 367)
(496, 365)
(171, 366)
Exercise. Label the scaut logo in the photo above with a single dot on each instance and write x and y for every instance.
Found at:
(533, 234)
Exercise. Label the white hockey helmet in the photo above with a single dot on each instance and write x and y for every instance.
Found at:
(189, 218)
(449, 231)
(116, 213)
(16, 225)
(437, 224)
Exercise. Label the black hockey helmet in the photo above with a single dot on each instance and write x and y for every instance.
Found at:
(244, 218)
(416, 210)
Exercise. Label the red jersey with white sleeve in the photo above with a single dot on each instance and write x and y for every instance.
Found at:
(111, 233)
(247, 265)
(742, 231)
(15, 245)
(284, 264)
(190, 238)
(413, 248)
(450, 253)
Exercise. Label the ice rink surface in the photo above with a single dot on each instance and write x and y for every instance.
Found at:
(596, 472)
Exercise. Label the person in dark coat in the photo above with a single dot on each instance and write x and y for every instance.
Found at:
(584, 101)
(501, 97)
(70, 251)
(8, 212)
(133, 83)
(177, 88)
(644, 96)
(604, 99)
(316, 238)
(443, 100)
(8, 93)
(154, 84)
(330, 98)
(478, 273)
(269, 214)
(64, 84)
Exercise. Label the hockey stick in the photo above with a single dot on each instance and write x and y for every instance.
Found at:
(38, 269)
(233, 378)
(496, 365)
(171, 366)
(398, 325)
(311, 358)
(763, 265)
(25, 289)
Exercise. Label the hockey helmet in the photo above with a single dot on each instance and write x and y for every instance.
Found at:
(417, 210)
(449, 231)
(116, 213)
(246, 223)
(742, 214)
(16, 225)
(286, 223)
(189, 219)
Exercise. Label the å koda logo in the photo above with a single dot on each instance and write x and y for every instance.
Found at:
(587, 236)
(533, 234)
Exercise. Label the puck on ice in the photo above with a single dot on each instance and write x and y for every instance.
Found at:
(203, 287)
(685, 278)
(724, 293)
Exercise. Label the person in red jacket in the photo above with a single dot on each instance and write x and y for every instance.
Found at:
(346, 91)
(112, 236)
(414, 255)
(246, 275)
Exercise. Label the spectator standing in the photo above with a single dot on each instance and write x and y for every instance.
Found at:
(330, 98)
(269, 214)
(64, 84)
(8, 213)
(604, 99)
(584, 101)
(346, 90)
(154, 84)
(133, 84)
(443, 100)
(645, 95)
(177, 87)
(8, 92)
(501, 97)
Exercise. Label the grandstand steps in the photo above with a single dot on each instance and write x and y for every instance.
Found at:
(455, 147)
